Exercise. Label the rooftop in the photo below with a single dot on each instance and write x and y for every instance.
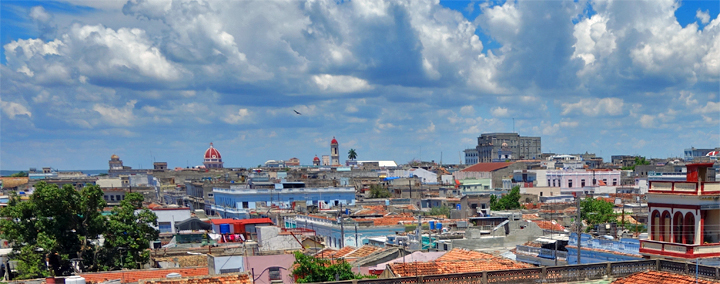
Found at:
(487, 167)
(241, 278)
(131, 276)
(657, 277)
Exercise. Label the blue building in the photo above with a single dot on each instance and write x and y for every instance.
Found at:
(602, 250)
(239, 200)
(331, 231)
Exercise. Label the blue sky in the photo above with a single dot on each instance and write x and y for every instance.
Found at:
(158, 80)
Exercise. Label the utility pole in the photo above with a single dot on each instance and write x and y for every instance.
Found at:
(410, 185)
(342, 229)
(579, 226)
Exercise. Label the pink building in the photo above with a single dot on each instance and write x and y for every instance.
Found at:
(577, 179)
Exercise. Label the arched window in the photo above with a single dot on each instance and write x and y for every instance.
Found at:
(666, 227)
(655, 226)
(678, 228)
(689, 227)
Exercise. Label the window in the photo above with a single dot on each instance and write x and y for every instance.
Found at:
(548, 182)
(614, 181)
(274, 273)
(117, 197)
(165, 227)
(582, 183)
(541, 193)
(105, 197)
(570, 183)
(245, 204)
(112, 197)
(605, 181)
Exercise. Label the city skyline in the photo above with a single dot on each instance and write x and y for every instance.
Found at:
(159, 81)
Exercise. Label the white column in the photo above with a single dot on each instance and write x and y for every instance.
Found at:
(698, 230)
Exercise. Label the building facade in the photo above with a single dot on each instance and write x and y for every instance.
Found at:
(500, 147)
(337, 236)
(578, 179)
(237, 201)
(684, 217)
(471, 156)
(692, 153)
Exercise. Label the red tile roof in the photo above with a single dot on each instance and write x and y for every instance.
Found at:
(657, 277)
(487, 167)
(457, 261)
(372, 210)
(343, 252)
(364, 251)
(326, 253)
(392, 221)
(548, 225)
(242, 278)
(130, 276)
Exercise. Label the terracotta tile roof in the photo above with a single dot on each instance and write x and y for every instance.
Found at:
(548, 225)
(487, 167)
(242, 278)
(657, 277)
(130, 276)
(457, 261)
(372, 210)
(463, 254)
(363, 251)
(326, 253)
(343, 252)
(530, 216)
(391, 221)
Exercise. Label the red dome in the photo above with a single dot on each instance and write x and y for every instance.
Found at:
(316, 159)
(212, 153)
(333, 141)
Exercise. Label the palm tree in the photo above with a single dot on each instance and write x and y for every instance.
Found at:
(352, 155)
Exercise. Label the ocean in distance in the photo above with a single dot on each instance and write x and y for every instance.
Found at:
(87, 172)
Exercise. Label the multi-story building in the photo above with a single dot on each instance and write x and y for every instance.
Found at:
(580, 180)
(471, 156)
(684, 218)
(237, 201)
(692, 153)
(501, 147)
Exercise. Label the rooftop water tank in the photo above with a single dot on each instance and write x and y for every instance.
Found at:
(75, 280)
(173, 275)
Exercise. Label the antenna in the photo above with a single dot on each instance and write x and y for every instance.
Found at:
(513, 125)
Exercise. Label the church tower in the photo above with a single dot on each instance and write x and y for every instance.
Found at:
(334, 153)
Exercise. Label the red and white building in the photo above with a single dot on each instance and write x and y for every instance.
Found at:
(212, 159)
(684, 219)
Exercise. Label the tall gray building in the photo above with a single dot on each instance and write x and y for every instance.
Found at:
(500, 147)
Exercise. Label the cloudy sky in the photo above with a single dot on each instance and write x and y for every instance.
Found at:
(397, 80)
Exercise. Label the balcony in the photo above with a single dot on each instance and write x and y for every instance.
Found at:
(685, 187)
(689, 251)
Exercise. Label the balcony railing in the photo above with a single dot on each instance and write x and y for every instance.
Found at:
(689, 251)
(685, 187)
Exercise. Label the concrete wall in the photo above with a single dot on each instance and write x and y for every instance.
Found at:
(172, 216)
(270, 239)
(108, 182)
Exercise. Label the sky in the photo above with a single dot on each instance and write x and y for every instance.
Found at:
(158, 80)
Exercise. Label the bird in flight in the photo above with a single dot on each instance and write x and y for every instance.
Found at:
(298, 113)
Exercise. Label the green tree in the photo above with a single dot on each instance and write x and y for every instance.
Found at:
(377, 191)
(19, 174)
(352, 155)
(509, 201)
(638, 161)
(442, 210)
(56, 223)
(310, 269)
(596, 211)
(128, 233)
